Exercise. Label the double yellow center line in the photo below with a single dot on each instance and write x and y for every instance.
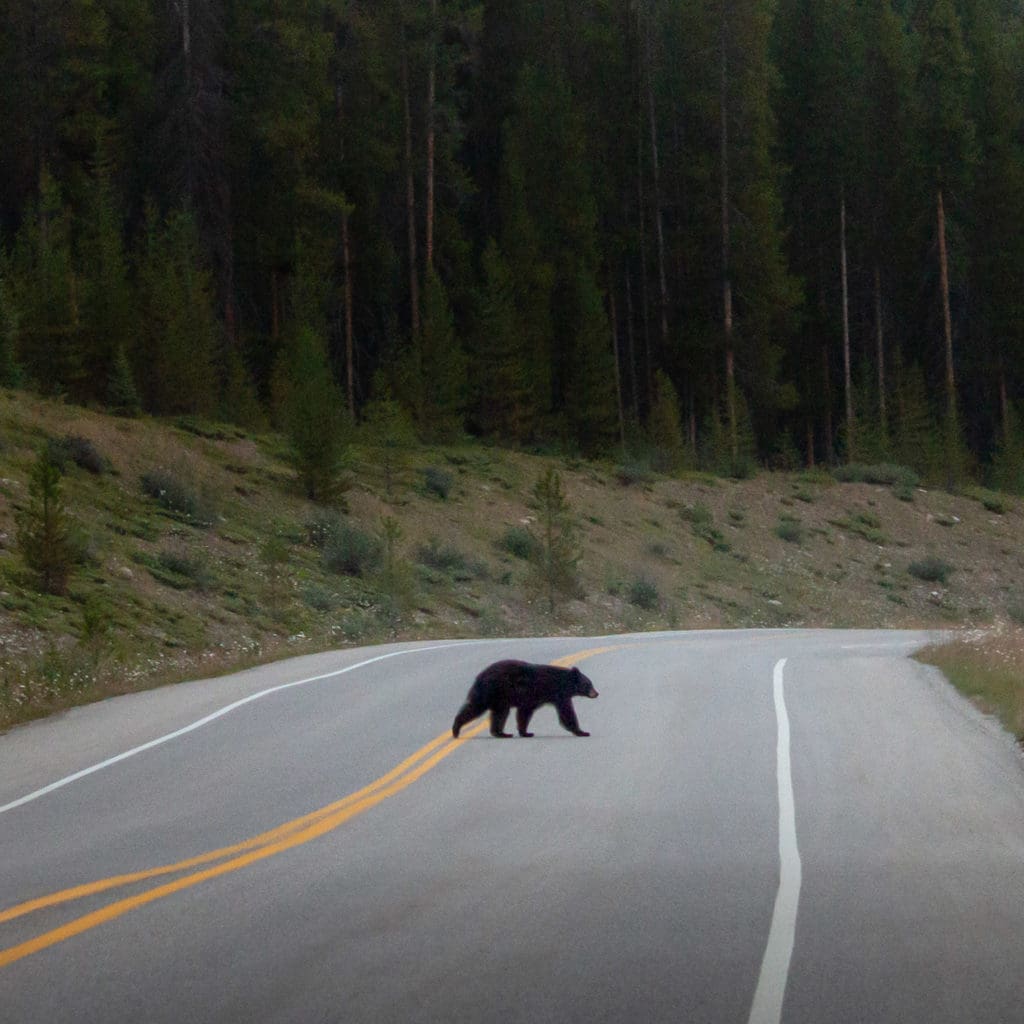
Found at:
(240, 855)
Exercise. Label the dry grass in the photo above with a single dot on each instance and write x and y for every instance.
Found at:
(708, 553)
(987, 666)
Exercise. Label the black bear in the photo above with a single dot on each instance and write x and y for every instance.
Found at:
(520, 685)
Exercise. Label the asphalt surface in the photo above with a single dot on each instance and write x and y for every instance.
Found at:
(635, 875)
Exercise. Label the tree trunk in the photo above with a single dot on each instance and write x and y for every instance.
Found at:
(730, 367)
(346, 256)
(830, 442)
(631, 342)
(613, 316)
(659, 231)
(431, 135)
(644, 300)
(1004, 403)
(275, 306)
(880, 352)
(410, 200)
(847, 378)
(947, 320)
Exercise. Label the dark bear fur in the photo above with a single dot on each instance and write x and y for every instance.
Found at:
(520, 685)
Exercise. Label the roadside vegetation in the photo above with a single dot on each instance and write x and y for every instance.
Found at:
(988, 667)
(135, 552)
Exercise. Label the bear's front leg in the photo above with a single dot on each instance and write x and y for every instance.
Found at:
(523, 715)
(567, 716)
(499, 715)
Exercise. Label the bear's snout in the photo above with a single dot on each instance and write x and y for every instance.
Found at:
(591, 693)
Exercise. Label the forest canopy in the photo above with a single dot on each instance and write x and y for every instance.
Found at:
(710, 232)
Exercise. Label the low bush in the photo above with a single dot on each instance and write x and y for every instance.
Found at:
(931, 569)
(790, 531)
(443, 557)
(631, 473)
(519, 542)
(78, 450)
(885, 473)
(188, 565)
(177, 496)
(349, 551)
(438, 482)
(318, 598)
(643, 593)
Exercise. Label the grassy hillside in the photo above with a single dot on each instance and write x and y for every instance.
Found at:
(199, 554)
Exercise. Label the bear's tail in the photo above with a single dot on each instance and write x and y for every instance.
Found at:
(466, 714)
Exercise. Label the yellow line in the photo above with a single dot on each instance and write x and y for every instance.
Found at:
(266, 844)
(92, 888)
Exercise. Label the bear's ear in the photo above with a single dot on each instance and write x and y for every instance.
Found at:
(576, 673)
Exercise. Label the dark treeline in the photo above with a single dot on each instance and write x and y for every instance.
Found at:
(713, 232)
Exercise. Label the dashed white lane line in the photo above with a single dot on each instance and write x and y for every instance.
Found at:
(68, 779)
(771, 984)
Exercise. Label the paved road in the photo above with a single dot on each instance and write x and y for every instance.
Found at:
(798, 826)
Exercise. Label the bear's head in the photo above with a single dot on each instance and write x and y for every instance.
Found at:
(581, 685)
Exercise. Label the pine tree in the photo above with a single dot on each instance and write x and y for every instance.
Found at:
(664, 426)
(44, 290)
(122, 395)
(590, 399)
(1006, 472)
(109, 323)
(916, 432)
(557, 548)
(502, 401)
(10, 372)
(386, 425)
(44, 530)
(949, 153)
(441, 367)
(314, 416)
(176, 357)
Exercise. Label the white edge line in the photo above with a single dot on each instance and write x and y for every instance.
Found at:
(771, 984)
(68, 779)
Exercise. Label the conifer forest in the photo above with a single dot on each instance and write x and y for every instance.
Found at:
(705, 233)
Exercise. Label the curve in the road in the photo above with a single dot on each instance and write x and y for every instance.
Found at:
(240, 855)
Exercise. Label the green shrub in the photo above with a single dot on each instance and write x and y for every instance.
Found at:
(175, 495)
(634, 472)
(991, 500)
(318, 598)
(79, 450)
(321, 527)
(790, 531)
(438, 482)
(885, 473)
(931, 569)
(443, 557)
(46, 538)
(702, 523)
(349, 551)
(519, 542)
(188, 565)
(643, 593)
(697, 514)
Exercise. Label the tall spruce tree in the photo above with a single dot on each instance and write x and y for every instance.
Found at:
(176, 357)
(45, 293)
(501, 390)
(948, 155)
(109, 304)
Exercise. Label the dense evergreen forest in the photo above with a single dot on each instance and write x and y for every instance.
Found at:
(701, 232)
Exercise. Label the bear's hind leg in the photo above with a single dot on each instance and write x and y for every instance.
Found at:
(567, 716)
(523, 715)
(467, 713)
(499, 715)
